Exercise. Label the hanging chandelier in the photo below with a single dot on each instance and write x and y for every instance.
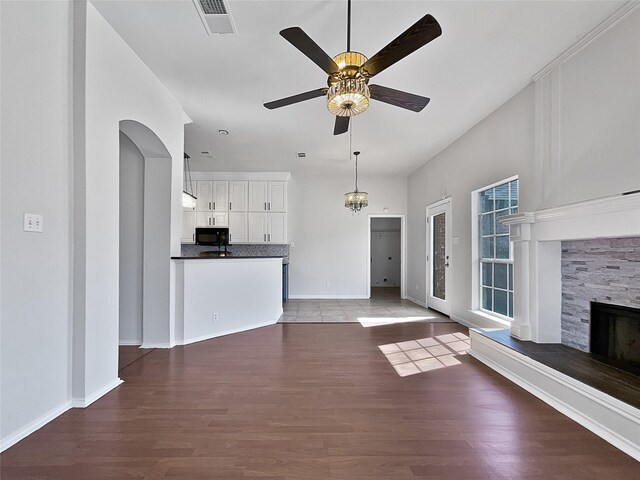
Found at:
(356, 200)
(188, 196)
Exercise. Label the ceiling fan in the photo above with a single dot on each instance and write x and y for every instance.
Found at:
(348, 91)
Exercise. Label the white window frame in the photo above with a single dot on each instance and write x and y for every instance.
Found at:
(476, 284)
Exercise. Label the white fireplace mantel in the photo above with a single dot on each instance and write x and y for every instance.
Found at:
(537, 238)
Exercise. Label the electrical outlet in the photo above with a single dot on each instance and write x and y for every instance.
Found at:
(328, 284)
(33, 223)
(214, 317)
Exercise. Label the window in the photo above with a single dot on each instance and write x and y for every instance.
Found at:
(495, 256)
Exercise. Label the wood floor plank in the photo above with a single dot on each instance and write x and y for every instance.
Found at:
(312, 401)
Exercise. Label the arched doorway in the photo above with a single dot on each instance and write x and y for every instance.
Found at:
(144, 238)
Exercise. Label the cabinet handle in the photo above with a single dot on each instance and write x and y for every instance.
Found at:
(229, 205)
(269, 205)
(214, 220)
(209, 220)
(193, 236)
(265, 237)
(214, 205)
(269, 237)
(209, 205)
(265, 205)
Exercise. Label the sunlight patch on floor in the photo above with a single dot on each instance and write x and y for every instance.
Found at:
(425, 354)
(376, 322)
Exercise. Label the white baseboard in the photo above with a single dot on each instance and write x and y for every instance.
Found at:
(253, 326)
(34, 425)
(328, 297)
(130, 343)
(611, 419)
(464, 321)
(416, 301)
(77, 402)
(157, 345)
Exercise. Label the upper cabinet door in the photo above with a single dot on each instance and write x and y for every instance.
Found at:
(204, 192)
(277, 201)
(238, 196)
(258, 197)
(257, 227)
(237, 227)
(188, 227)
(277, 228)
(220, 219)
(220, 196)
(204, 219)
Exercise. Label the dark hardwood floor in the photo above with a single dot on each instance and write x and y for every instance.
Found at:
(127, 354)
(313, 402)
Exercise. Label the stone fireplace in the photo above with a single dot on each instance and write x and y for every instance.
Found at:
(602, 271)
(569, 256)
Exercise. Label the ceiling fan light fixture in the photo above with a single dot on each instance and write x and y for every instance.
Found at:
(348, 97)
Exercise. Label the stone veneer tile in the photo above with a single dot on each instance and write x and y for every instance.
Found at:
(603, 270)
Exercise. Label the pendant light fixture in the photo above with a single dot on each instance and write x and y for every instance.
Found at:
(188, 195)
(356, 200)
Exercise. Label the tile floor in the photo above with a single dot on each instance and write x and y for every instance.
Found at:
(384, 306)
(425, 354)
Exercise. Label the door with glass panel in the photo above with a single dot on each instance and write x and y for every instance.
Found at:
(439, 256)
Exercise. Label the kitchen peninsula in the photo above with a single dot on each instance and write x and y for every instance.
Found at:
(221, 295)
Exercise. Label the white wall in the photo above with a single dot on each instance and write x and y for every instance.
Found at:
(385, 252)
(330, 243)
(593, 132)
(117, 86)
(131, 241)
(573, 135)
(36, 161)
(497, 148)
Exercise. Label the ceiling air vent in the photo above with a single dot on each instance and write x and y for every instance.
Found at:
(215, 16)
(301, 155)
(208, 155)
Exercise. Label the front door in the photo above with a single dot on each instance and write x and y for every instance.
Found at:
(439, 256)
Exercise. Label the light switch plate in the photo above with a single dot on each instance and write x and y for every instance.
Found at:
(33, 223)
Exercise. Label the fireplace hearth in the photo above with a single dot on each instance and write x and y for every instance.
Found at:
(615, 335)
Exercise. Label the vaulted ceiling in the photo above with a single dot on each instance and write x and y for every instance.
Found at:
(487, 53)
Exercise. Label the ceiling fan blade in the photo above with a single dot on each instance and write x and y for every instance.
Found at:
(301, 97)
(342, 125)
(296, 37)
(416, 36)
(412, 102)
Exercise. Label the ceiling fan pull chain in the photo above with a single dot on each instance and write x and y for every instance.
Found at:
(348, 25)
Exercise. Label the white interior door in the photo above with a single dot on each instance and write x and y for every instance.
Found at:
(439, 256)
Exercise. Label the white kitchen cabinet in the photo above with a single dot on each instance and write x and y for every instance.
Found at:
(220, 219)
(277, 197)
(238, 196)
(258, 226)
(258, 196)
(212, 219)
(277, 228)
(220, 195)
(188, 234)
(238, 227)
(204, 192)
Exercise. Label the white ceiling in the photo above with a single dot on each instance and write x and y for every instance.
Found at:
(487, 53)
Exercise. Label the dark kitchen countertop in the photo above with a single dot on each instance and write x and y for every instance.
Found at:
(285, 261)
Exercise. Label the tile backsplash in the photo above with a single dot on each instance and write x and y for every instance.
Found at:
(249, 250)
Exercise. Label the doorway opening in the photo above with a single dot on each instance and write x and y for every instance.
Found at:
(438, 256)
(386, 266)
(144, 240)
